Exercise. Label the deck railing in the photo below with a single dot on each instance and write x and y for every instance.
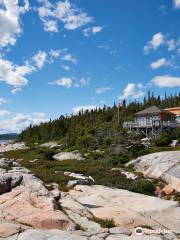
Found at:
(172, 124)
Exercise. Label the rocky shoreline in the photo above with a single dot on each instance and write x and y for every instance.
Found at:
(28, 210)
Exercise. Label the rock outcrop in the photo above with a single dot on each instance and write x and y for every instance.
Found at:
(127, 209)
(165, 165)
(51, 145)
(26, 201)
(9, 181)
(68, 156)
(12, 146)
(26, 207)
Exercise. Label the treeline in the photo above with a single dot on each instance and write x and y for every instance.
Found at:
(9, 136)
(94, 127)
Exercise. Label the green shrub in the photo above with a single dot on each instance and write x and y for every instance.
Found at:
(47, 153)
(104, 223)
(162, 140)
(177, 197)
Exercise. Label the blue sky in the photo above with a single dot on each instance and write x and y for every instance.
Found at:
(57, 57)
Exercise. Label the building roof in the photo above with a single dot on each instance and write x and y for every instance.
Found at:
(153, 110)
(175, 110)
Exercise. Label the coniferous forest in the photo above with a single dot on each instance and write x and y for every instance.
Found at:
(96, 127)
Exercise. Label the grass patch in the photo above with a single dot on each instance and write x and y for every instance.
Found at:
(99, 168)
(104, 223)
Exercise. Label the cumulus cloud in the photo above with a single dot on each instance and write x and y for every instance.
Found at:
(176, 3)
(133, 90)
(65, 67)
(18, 122)
(78, 109)
(16, 90)
(55, 53)
(92, 30)
(102, 90)
(10, 27)
(171, 44)
(50, 25)
(39, 59)
(3, 101)
(4, 113)
(39, 114)
(166, 81)
(160, 39)
(162, 62)
(63, 82)
(82, 82)
(14, 75)
(70, 16)
(70, 58)
(157, 41)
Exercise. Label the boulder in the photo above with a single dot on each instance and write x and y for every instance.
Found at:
(12, 147)
(81, 179)
(72, 183)
(167, 190)
(9, 181)
(68, 156)
(128, 175)
(78, 176)
(26, 207)
(29, 181)
(5, 163)
(165, 165)
(51, 145)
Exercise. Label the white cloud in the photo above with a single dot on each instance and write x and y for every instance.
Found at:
(133, 91)
(14, 75)
(50, 26)
(4, 113)
(10, 27)
(84, 81)
(63, 82)
(176, 3)
(3, 101)
(70, 58)
(97, 29)
(162, 62)
(92, 30)
(171, 44)
(166, 81)
(105, 47)
(55, 53)
(16, 90)
(157, 41)
(39, 59)
(39, 114)
(64, 12)
(102, 90)
(65, 67)
(19, 122)
(78, 109)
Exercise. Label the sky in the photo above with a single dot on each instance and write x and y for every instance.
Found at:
(61, 56)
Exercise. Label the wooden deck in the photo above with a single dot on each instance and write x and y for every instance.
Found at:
(155, 124)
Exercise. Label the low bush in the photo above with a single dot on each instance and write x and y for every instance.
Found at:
(104, 223)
